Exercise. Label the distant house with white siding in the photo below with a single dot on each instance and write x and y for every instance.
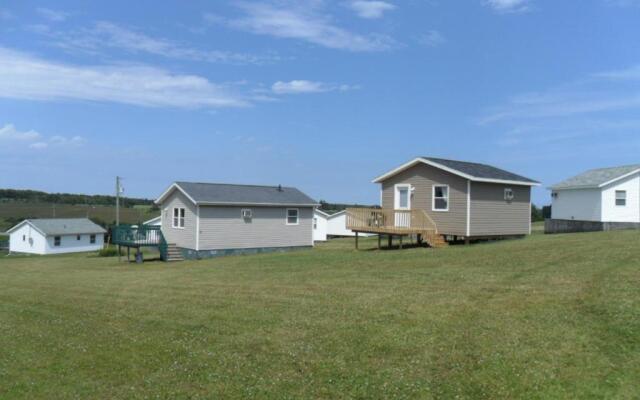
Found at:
(55, 236)
(320, 225)
(337, 226)
(209, 219)
(605, 195)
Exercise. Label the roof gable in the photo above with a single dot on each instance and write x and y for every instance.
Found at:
(473, 171)
(597, 178)
(230, 194)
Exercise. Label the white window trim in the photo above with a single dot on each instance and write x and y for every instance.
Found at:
(242, 211)
(286, 219)
(59, 241)
(396, 197)
(615, 195)
(173, 217)
(433, 198)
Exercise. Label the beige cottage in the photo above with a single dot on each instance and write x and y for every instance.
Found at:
(440, 199)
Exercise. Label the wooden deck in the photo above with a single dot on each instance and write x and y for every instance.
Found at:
(394, 223)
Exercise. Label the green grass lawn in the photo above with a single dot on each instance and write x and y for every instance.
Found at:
(544, 317)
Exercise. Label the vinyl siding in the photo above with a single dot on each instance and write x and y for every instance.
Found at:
(629, 213)
(577, 204)
(224, 228)
(491, 214)
(180, 237)
(422, 177)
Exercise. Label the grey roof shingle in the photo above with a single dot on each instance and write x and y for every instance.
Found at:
(595, 177)
(66, 226)
(222, 193)
(482, 171)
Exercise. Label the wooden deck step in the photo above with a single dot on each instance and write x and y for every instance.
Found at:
(174, 253)
(435, 240)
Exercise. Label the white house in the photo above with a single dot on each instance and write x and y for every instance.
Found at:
(54, 236)
(609, 195)
(337, 225)
(320, 225)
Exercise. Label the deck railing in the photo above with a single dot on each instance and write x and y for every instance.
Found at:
(140, 236)
(389, 221)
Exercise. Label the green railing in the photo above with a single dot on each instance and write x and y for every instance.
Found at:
(139, 236)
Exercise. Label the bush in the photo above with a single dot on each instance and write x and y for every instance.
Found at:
(109, 252)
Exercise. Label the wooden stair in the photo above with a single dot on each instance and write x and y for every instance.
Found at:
(435, 240)
(174, 253)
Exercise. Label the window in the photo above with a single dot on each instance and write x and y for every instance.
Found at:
(178, 217)
(92, 239)
(315, 223)
(403, 197)
(441, 198)
(77, 237)
(508, 194)
(56, 241)
(246, 213)
(621, 198)
(292, 216)
(24, 238)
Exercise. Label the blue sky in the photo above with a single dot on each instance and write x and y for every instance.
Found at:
(322, 95)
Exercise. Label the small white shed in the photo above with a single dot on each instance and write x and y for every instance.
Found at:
(337, 225)
(55, 236)
(320, 225)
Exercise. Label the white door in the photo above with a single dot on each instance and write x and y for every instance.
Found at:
(402, 204)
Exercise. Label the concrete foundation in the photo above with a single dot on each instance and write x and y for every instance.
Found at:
(552, 226)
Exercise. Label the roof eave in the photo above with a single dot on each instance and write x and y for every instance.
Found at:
(418, 160)
(236, 203)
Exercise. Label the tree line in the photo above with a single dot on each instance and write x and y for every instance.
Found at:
(34, 196)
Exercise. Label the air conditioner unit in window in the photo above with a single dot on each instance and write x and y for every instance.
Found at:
(246, 213)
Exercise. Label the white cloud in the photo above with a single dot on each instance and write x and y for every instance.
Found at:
(508, 6)
(370, 9)
(53, 15)
(303, 22)
(9, 132)
(24, 76)
(304, 86)
(107, 34)
(39, 145)
(627, 74)
(5, 14)
(432, 39)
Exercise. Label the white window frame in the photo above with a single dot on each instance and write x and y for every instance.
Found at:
(246, 210)
(59, 241)
(180, 220)
(624, 198)
(396, 196)
(507, 197)
(92, 239)
(433, 198)
(315, 222)
(286, 220)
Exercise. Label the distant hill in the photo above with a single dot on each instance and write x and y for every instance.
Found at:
(331, 208)
(17, 205)
(34, 196)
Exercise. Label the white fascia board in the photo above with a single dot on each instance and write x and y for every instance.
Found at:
(418, 160)
(619, 178)
(26, 222)
(167, 192)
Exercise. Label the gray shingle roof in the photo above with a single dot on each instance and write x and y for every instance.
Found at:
(221, 193)
(482, 171)
(66, 226)
(596, 177)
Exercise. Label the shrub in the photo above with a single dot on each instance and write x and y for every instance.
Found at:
(109, 252)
